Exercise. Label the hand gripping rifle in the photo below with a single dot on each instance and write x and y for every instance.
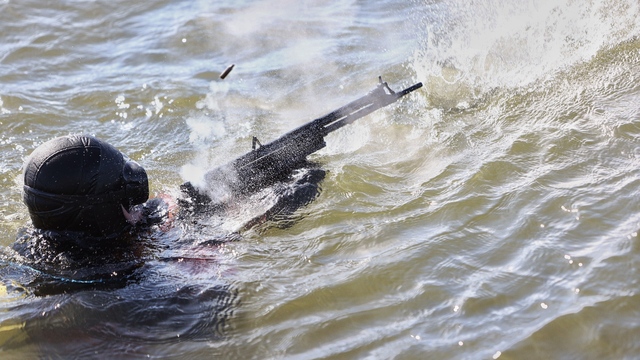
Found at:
(266, 164)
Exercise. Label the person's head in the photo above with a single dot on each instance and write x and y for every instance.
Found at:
(80, 183)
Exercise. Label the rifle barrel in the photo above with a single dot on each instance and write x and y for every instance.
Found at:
(376, 99)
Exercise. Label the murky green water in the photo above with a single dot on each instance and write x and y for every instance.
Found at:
(494, 214)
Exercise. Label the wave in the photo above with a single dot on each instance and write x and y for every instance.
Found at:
(469, 48)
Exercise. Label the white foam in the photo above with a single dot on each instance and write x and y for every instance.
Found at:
(479, 46)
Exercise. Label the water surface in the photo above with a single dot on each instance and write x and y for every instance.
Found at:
(493, 214)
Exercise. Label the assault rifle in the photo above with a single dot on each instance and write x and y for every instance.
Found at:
(272, 162)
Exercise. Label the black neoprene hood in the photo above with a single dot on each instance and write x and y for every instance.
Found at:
(80, 183)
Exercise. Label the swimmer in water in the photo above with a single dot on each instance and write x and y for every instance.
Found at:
(86, 201)
(89, 203)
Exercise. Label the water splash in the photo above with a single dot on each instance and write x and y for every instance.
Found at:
(472, 48)
(205, 127)
(3, 111)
